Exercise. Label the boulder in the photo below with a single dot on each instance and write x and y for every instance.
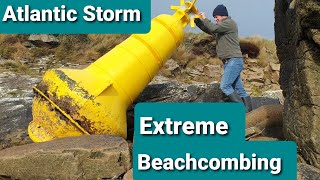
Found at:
(43, 40)
(171, 91)
(266, 120)
(162, 90)
(274, 66)
(263, 138)
(128, 175)
(277, 94)
(14, 120)
(262, 101)
(297, 24)
(172, 66)
(84, 157)
(15, 108)
(307, 172)
(264, 116)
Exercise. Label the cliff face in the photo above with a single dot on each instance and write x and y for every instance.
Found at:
(297, 29)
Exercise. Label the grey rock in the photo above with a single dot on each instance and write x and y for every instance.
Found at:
(84, 157)
(14, 85)
(255, 69)
(172, 65)
(307, 172)
(257, 84)
(267, 118)
(194, 72)
(252, 61)
(263, 138)
(299, 54)
(171, 91)
(16, 97)
(43, 61)
(274, 66)
(262, 101)
(43, 40)
(28, 44)
(128, 175)
(315, 35)
(277, 94)
(275, 77)
(178, 92)
(199, 68)
(15, 117)
(267, 82)
(213, 70)
(160, 80)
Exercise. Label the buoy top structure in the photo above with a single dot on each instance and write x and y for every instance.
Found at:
(94, 100)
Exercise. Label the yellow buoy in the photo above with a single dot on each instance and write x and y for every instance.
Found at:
(94, 100)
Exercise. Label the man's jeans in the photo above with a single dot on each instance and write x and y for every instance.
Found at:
(231, 80)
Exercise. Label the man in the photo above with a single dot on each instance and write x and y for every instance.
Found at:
(228, 50)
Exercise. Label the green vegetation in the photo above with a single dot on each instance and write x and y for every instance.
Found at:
(87, 48)
(15, 66)
(73, 48)
(196, 52)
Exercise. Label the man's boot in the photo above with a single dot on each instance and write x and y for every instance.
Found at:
(234, 97)
(247, 103)
(225, 98)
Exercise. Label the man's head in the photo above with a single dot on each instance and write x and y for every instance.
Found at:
(220, 13)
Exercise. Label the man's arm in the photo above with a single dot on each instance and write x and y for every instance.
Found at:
(216, 28)
(202, 26)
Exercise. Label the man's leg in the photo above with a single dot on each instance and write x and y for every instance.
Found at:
(238, 86)
(232, 70)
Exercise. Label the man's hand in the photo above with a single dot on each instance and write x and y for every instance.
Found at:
(202, 15)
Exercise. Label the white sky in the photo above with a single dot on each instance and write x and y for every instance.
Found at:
(254, 17)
